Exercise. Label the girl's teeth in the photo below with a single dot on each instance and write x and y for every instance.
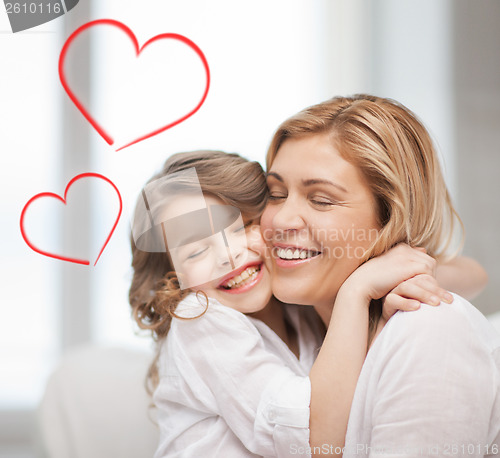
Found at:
(247, 275)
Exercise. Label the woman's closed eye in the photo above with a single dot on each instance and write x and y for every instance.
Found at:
(275, 196)
(323, 201)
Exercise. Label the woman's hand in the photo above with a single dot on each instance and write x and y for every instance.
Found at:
(406, 273)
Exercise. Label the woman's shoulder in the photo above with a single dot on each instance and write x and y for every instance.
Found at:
(436, 345)
(458, 320)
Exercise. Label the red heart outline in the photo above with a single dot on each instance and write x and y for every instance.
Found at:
(138, 50)
(63, 200)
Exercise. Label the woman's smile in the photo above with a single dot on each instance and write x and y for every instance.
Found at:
(292, 255)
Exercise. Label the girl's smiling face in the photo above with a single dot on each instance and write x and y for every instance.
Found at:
(228, 264)
(320, 219)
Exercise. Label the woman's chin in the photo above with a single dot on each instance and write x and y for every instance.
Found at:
(289, 293)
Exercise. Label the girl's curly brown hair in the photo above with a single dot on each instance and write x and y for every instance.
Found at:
(155, 292)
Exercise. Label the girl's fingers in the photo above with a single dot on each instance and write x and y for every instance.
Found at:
(411, 290)
(430, 283)
(394, 302)
(408, 295)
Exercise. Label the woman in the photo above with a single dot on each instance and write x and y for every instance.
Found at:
(348, 179)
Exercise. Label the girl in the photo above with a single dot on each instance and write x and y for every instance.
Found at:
(228, 384)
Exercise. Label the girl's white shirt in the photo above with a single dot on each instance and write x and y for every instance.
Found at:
(229, 386)
(429, 387)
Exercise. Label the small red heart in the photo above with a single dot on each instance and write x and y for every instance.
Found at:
(111, 22)
(63, 200)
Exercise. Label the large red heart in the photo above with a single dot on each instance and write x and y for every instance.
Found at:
(165, 36)
(63, 200)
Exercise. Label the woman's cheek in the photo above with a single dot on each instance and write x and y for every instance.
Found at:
(255, 241)
(266, 225)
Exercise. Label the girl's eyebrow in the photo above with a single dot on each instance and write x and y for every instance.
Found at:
(311, 181)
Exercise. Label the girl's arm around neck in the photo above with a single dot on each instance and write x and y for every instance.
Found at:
(462, 275)
(335, 373)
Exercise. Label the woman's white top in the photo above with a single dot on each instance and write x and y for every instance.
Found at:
(230, 387)
(429, 387)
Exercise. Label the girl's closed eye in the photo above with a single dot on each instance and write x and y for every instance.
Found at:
(194, 254)
(244, 226)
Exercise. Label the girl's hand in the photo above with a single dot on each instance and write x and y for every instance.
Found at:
(379, 276)
(410, 293)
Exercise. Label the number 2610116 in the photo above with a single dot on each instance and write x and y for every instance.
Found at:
(33, 8)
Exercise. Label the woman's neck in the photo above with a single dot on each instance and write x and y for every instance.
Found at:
(325, 312)
(273, 315)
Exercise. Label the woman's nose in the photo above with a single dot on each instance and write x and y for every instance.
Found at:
(288, 217)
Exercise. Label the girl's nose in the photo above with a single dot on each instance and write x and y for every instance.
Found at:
(232, 252)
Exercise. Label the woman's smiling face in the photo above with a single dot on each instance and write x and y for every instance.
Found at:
(320, 219)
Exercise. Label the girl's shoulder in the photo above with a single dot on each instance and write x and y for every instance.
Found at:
(199, 312)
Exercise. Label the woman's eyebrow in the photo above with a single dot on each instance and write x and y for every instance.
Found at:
(275, 175)
(314, 181)
(311, 181)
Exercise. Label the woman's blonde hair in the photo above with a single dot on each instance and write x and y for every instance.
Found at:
(395, 154)
(155, 292)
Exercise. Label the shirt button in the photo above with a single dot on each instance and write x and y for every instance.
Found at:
(272, 415)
